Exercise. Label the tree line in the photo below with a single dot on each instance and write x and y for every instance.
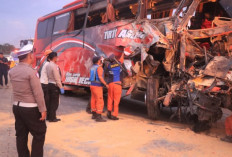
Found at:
(6, 48)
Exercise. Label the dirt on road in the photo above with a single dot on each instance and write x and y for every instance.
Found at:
(134, 135)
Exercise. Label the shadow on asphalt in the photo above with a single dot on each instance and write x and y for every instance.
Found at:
(136, 108)
(79, 100)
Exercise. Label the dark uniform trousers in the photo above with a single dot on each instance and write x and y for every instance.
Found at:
(46, 95)
(27, 120)
(54, 93)
(3, 72)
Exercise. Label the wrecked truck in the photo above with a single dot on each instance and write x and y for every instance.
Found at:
(177, 53)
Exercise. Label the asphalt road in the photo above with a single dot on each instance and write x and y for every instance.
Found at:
(134, 135)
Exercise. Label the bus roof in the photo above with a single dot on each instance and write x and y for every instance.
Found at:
(73, 4)
(76, 5)
(69, 7)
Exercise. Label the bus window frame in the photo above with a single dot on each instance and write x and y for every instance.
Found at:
(63, 31)
(46, 28)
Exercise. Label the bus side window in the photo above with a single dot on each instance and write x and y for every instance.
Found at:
(128, 12)
(79, 22)
(44, 29)
(61, 23)
(95, 18)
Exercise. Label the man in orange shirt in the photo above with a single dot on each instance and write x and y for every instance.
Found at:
(115, 87)
(96, 87)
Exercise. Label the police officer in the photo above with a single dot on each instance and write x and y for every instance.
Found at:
(44, 79)
(55, 87)
(115, 87)
(96, 87)
(29, 106)
(3, 70)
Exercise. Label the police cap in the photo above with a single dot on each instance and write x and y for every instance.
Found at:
(25, 50)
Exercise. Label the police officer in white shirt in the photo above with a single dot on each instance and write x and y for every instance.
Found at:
(55, 87)
(44, 79)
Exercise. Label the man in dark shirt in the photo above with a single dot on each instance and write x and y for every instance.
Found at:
(3, 70)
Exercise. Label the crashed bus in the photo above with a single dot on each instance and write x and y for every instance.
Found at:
(177, 53)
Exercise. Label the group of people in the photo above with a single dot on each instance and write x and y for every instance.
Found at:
(3, 71)
(114, 85)
(36, 98)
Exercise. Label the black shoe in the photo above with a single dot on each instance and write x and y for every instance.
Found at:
(48, 117)
(109, 114)
(94, 116)
(88, 111)
(114, 118)
(55, 120)
(227, 139)
(99, 118)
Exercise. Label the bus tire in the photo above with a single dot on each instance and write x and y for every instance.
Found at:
(153, 108)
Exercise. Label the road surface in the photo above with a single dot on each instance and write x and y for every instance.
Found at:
(134, 135)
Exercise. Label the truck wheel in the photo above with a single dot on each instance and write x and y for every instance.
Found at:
(153, 108)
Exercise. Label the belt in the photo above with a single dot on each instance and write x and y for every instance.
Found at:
(99, 84)
(23, 104)
(117, 83)
(52, 82)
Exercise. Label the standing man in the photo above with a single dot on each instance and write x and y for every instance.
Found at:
(115, 87)
(29, 107)
(44, 80)
(3, 70)
(54, 87)
(96, 87)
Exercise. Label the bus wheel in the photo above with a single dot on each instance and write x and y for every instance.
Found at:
(153, 108)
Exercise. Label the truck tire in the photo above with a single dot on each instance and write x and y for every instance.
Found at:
(153, 108)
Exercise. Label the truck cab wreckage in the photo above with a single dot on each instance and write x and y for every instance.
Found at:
(177, 53)
(185, 68)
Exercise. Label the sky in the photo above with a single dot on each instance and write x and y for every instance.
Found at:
(18, 17)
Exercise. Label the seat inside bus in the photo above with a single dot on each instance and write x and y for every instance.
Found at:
(124, 9)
